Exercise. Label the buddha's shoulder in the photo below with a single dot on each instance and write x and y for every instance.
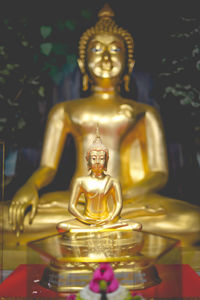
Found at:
(67, 108)
(64, 107)
(138, 107)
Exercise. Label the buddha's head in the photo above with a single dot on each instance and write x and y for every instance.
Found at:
(97, 155)
(106, 52)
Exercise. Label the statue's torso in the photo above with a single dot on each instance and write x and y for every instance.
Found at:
(115, 118)
(97, 193)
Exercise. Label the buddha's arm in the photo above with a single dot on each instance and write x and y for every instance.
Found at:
(55, 135)
(117, 200)
(151, 170)
(116, 193)
(73, 202)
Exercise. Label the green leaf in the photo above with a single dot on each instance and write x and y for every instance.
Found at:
(198, 65)
(2, 80)
(24, 43)
(45, 31)
(3, 120)
(21, 123)
(35, 57)
(59, 48)
(86, 14)
(195, 104)
(70, 24)
(55, 74)
(5, 72)
(57, 77)
(2, 52)
(11, 67)
(46, 48)
(5, 21)
(41, 91)
(61, 25)
(195, 51)
(71, 59)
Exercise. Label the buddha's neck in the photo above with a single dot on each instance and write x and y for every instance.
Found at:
(105, 93)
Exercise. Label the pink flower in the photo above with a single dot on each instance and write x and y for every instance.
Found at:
(94, 286)
(104, 272)
(113, 286)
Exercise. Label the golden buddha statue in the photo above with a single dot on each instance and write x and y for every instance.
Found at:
(98, 189)
(132, 131)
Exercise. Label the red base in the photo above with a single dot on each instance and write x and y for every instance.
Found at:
(177, 281)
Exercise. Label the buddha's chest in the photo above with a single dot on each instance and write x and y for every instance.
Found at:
(113, 120)
(96, 187)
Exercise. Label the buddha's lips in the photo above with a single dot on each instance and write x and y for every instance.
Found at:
(97, 167)
(106, 66)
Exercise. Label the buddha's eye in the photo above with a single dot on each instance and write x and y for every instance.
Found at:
(96, 50)
(115, 49)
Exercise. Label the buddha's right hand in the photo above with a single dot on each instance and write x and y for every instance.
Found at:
(26, 196)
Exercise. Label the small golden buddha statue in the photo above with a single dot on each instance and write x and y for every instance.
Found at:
(98, 189)
(132, 131)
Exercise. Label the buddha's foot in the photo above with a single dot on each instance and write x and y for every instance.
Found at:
(154, 211)
(62, 227)
(135, 226)
(124, 224)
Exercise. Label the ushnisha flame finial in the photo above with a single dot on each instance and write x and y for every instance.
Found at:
(106, 12)
(97, 131)
(97, 145)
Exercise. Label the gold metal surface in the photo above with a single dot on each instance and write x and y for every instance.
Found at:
(132, 131)
(73, 279)
(73, 257)
(99, 190)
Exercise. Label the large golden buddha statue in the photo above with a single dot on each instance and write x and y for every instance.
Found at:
(132, 131)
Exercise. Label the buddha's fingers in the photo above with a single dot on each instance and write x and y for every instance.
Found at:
(33, 211)
(10, 213)
(18, 218)
(15, 216)
(21, 216)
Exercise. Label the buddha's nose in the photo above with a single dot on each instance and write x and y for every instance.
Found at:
(106, 61)
(106, 56)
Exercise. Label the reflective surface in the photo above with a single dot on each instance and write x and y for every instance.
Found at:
(103, 246)
(90, 246)
(78, 254)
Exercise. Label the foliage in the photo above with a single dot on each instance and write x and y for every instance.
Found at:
(179, 77)
(35, 54)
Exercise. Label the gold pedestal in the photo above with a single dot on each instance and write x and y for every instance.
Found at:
(72, 257)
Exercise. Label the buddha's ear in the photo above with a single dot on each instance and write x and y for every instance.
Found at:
(85, 78)
(131, 66)
(81, 65)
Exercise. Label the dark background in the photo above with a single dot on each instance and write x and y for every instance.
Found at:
(150, 23)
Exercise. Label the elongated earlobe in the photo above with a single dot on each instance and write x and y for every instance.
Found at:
(126, 82)
(131, 65)
(85, 82)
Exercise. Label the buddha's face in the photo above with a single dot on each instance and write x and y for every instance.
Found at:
(97, 161)
(106, 56)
